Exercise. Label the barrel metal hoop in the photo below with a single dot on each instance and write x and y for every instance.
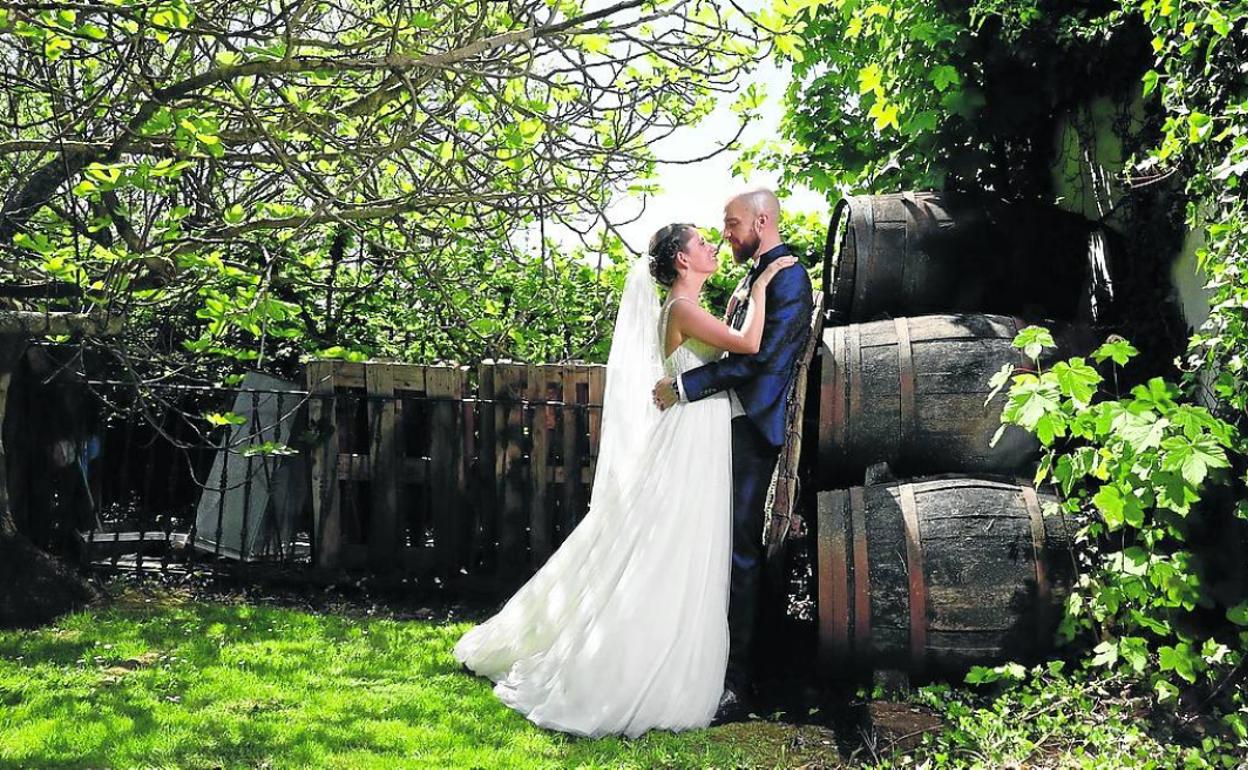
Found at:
(862, 575)
(1038, 551)
(914, 570)
(905, 361)
(839, 379)
(864, 241)
(833, 255)
(853, 358)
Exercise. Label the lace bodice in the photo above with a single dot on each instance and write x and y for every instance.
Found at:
(691, 354)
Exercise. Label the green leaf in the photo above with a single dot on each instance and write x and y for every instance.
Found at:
(1110, 503)
(1199, 126)
(1106, 654)
(998, 381)
(1033, 340)
(1180, 659)
(593, 43)
(1193, 457)
(234, 214)
(1076, 380)
(1142, 432)
(1218, 21)
(869, 80)
(1118, 349)
(1151, 79)
(944, 76)
(1030, 399)
(1238, 614)
(224, 418)
(884, 114)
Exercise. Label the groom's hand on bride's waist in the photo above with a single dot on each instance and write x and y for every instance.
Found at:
(665, 393)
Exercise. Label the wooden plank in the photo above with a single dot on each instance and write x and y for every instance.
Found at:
(384, 536)
(349, 374)
(482, 551)
(445, 466)
(326, 502)
(509, 390)
(596, 376)
(355, 467)
(409, 377)
(541, 525)
(573, 498)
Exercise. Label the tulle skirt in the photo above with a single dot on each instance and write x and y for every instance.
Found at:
(625, 628)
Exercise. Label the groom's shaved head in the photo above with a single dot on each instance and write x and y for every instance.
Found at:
(760, 201)
(751, 223)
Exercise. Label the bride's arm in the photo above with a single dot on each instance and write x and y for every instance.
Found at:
(693, 321)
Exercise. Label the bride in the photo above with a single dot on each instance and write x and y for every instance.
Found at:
(624, 629)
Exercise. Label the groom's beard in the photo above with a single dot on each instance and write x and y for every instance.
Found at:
(748, 249)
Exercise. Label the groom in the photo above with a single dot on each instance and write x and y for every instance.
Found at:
(758, 386)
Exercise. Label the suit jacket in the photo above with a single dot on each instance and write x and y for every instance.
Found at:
(762, 381)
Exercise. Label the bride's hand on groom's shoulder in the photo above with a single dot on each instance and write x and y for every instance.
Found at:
(779, 264)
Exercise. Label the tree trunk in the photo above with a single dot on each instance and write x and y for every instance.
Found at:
(36, 586)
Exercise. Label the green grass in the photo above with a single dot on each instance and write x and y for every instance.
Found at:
(195, 684)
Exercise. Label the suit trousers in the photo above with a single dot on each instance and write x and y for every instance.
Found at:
(753, 461)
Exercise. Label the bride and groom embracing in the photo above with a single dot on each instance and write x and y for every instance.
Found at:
(643, 618)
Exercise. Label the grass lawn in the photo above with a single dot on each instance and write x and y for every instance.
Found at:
(171, 682)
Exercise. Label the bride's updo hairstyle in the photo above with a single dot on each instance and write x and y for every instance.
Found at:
(664, 245)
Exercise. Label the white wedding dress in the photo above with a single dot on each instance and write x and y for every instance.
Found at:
(625, 628)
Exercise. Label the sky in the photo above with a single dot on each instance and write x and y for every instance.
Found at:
(697, 192)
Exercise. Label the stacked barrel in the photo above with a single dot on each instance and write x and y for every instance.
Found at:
(934, 551)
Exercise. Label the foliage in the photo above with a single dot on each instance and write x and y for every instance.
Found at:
(906, 94)
(249, 180)
(1131, 471)
(1049, 716)
(1199, 80)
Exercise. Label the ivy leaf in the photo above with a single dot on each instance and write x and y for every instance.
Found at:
(1218, 21)
(1199, 127)
(1238, 614)
(1151, 79)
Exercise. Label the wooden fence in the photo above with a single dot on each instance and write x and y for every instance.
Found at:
(447, 469)
(477, 474)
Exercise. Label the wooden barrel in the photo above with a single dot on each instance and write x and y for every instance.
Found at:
(927, 252)
(937, 575)
(910, 392)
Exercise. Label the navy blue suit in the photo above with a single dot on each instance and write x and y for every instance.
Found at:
(762, 382)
